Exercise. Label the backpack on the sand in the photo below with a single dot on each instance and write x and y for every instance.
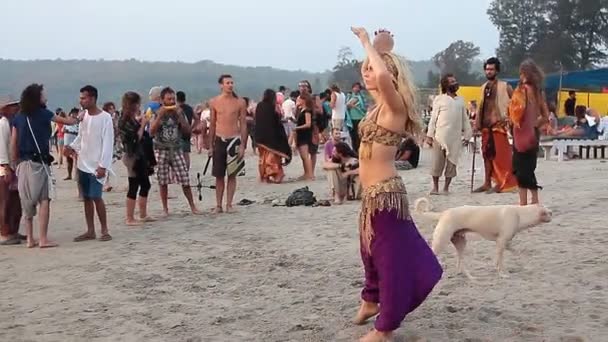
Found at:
(301, 196)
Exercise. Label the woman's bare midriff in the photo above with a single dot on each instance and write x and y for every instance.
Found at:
(380, 167)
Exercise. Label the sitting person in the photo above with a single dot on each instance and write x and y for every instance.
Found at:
(342, 172)
(329, 151)
(602, 128)
(582, 128)
(408, 155)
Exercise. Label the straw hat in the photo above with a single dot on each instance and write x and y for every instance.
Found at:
(7, 100)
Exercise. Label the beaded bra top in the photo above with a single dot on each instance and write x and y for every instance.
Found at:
(370, 132)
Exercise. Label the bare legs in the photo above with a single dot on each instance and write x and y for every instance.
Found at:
(187, 190)
(142, 203)
(164, 194)
(487, 184)
(446, 186)
(187, 159)
(306, 162)
(43, 218)
(70, 162)
(313, 165)
(60, 152)
(220, 185)
(523, 196)
(90, 206)
(130, 204)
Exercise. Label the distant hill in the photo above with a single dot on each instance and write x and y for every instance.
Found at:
(63, 78)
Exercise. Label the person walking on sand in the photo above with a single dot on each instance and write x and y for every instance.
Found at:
(94, 146)
(400, 267)
(31, 133)
(168, 128)
(227, 139)
(448, 127)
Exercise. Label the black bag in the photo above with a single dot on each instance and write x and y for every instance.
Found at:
(145, 160)
(301, 196)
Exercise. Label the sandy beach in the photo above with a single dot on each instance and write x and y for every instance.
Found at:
(294, 274)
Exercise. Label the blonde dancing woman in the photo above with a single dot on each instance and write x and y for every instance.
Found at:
(400, 268)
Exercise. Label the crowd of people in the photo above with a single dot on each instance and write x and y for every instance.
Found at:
(365, 140)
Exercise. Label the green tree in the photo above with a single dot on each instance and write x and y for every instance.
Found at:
(520, 25)
(587, 27)
(347, 70)
(572, 34)
(456, 59)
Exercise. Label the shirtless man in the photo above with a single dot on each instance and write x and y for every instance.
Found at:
(228, 139)
(492, 123)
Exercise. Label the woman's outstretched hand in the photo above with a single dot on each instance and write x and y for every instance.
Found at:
(361, 33)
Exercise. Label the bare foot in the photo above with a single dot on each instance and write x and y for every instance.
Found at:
(367, 310)
(195, 211)
(85, 237)
(133, 223)
(48, 244)
(377, 336)
(434, 192)
(31, 244)
(482, 188)
(445, 192)
(147, 219)
(230, 209)
(165, 214)
(494, 190)
(217, 210)
(105, 237)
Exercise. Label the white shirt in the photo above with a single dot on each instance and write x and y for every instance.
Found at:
(95, 143)
(5, 140)
(449, 125)
(289, 109)
(206, 115)
(339, 111)
(602, 128)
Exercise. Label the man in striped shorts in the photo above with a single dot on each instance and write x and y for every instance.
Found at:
(168, 128)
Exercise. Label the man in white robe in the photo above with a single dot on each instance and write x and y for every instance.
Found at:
(448, 127)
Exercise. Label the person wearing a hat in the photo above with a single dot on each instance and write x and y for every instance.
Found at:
(10, 205)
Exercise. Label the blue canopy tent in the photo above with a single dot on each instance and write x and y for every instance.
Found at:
(587, 80)
(590, 80)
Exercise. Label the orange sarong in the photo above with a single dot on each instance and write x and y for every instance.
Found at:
(270, 165)
(496, 148)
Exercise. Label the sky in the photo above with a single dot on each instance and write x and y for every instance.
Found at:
(287, 34)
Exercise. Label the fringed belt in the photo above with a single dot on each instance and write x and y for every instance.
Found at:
(385, 195)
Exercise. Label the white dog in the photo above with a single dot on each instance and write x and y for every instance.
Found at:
(497, 223)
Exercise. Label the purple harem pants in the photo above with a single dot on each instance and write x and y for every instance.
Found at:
(401, 270)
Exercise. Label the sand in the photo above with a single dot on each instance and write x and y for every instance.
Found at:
(294, 274)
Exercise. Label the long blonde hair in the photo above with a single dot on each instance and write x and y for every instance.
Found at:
(402, 80)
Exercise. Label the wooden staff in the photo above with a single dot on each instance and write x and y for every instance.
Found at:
(473, 166)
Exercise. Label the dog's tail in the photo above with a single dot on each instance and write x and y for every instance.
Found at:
(423, 205)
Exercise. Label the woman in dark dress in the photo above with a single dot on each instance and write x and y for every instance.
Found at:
(271, 140)
(304, 132)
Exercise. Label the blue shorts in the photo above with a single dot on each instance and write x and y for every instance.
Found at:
(91, 188)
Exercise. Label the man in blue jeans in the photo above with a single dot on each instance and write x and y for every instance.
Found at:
(95, 147)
